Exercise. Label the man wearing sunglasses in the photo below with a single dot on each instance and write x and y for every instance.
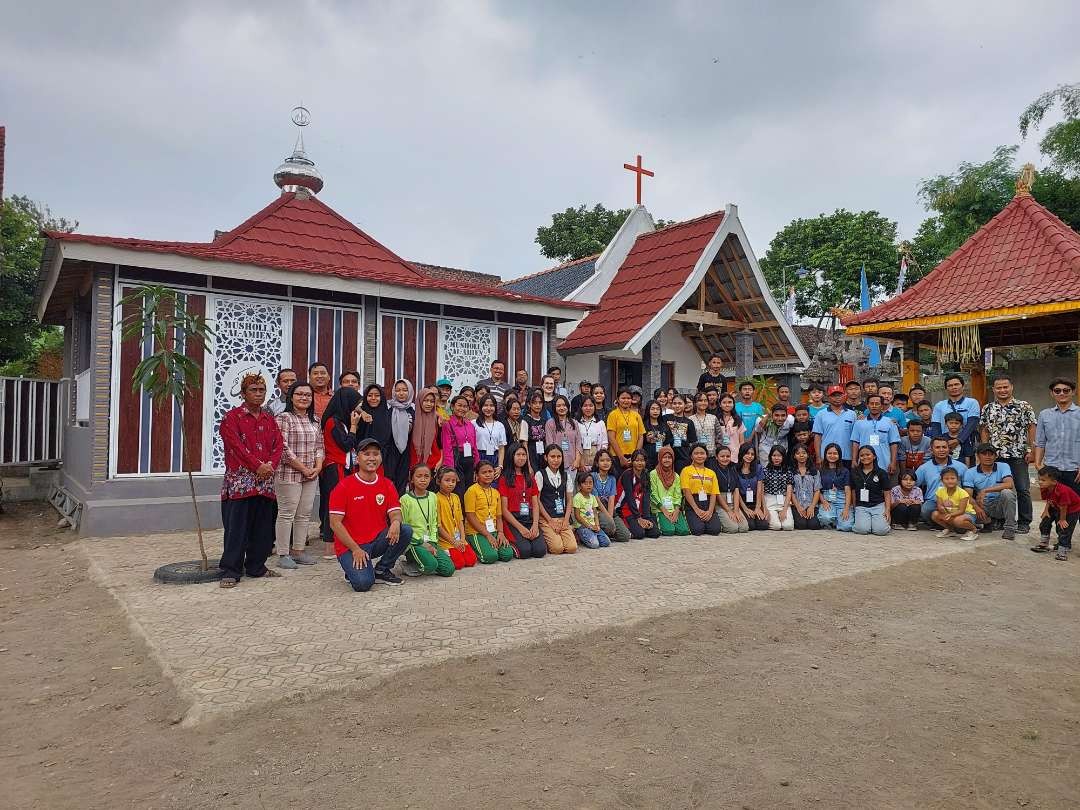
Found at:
(1057, 434)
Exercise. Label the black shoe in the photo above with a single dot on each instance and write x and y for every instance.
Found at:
(387, 577)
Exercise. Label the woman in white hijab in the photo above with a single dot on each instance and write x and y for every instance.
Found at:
(402, 414)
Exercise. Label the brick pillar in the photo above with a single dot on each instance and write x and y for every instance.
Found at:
(553, 357)
(371, 338)
(744, 354)
(101, 363)
(650, 366)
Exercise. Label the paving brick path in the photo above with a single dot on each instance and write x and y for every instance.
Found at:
(268, 638)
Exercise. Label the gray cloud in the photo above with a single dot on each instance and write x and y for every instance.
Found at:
(451, 131)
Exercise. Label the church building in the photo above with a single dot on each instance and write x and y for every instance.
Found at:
(662, 301)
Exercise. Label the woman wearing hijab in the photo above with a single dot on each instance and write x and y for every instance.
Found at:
(396, 451)
(425, 431)
(341, 421)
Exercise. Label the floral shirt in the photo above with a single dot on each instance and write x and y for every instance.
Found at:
(250, 440)
(1007, 426)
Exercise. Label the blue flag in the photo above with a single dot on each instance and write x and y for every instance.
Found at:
(864, 303)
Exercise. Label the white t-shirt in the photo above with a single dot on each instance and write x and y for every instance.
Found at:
(490, 437)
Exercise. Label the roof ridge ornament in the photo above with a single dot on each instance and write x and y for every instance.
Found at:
(1026, 180)
(298, 173)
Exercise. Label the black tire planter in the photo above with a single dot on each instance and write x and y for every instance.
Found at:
(187, 573)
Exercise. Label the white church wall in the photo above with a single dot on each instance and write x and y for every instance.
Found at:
(674, 348)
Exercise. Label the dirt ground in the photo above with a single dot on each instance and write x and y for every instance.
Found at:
(940, 684)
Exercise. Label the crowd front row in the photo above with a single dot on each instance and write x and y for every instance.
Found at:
(503, 510)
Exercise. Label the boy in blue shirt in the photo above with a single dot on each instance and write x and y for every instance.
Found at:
(749, 411)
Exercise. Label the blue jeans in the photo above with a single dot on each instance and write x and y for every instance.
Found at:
(363, 578)
(831, 519)
(928, 506)
(590, 539)
(871, 520)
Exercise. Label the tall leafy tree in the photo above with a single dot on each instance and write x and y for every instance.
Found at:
(21, 245)
(837, 244)
(1061, 143)
(579, 232)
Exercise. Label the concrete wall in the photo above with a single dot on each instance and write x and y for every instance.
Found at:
(1031, 378)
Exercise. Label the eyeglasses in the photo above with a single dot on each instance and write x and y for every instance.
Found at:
(1062, 390)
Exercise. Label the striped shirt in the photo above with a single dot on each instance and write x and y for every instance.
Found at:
(1058, 433)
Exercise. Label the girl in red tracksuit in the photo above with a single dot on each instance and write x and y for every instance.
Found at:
(633, 499)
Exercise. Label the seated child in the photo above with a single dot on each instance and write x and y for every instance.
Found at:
(587, 514)
(420, 509)
(906, 502)
(954, 512)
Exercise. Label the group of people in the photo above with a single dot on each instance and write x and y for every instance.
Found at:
(503, 470)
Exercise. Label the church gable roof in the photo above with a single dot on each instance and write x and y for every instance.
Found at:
(657, 267)
(298, 232)
(1024, 256)
(555, 282)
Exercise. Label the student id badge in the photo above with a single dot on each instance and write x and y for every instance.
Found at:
(725, 440)
(626, 434)
(490, 524)
(875, 440)
(864, 495)
(586, 441)
(668, 504)
(676, 441)
(702, 497)
(565, 445)
(749, 495)
(524, 509)
(466, 450)
(658, 446)
(560, 506)
(730, 497)
(457, 537)
(540, 448)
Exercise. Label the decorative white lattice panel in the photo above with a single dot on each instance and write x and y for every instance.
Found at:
(467, 349)
(248, 338)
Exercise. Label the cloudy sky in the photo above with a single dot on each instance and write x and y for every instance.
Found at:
(451, 130)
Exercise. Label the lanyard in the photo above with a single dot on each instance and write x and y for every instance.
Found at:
(453, 509)
(424, 510)
(490, 431)
(487, 500)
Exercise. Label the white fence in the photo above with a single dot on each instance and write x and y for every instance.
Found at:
(32, 416)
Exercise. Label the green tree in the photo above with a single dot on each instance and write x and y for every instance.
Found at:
(1061, 143)
(579, 232)
(167, 375)
(837, 244)
(962, 203)
(1059, 194)
(21, 245)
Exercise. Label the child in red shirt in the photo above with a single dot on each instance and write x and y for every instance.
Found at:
(1062, 508)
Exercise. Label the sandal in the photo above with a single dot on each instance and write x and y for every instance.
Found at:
(1062, 553)
(1042, 547)
(270, 572)
(227, 582)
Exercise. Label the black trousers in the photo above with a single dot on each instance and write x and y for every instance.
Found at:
(906, 514)
(804, 523)
(1064, 536)
(249, 535)
(637, 531)
(328, 479)
(757, 524)
(524, 548)
(396, 466)
(699, 526)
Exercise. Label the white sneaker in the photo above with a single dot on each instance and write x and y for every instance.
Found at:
(945, 533)
(971, 535)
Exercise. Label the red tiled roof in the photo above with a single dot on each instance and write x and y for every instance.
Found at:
(658, 264)
(302, 234)
(1022, 257)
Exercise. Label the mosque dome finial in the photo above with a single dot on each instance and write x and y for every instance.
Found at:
(298, 171)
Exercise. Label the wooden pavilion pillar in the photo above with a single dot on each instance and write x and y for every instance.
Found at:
(910, 370)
